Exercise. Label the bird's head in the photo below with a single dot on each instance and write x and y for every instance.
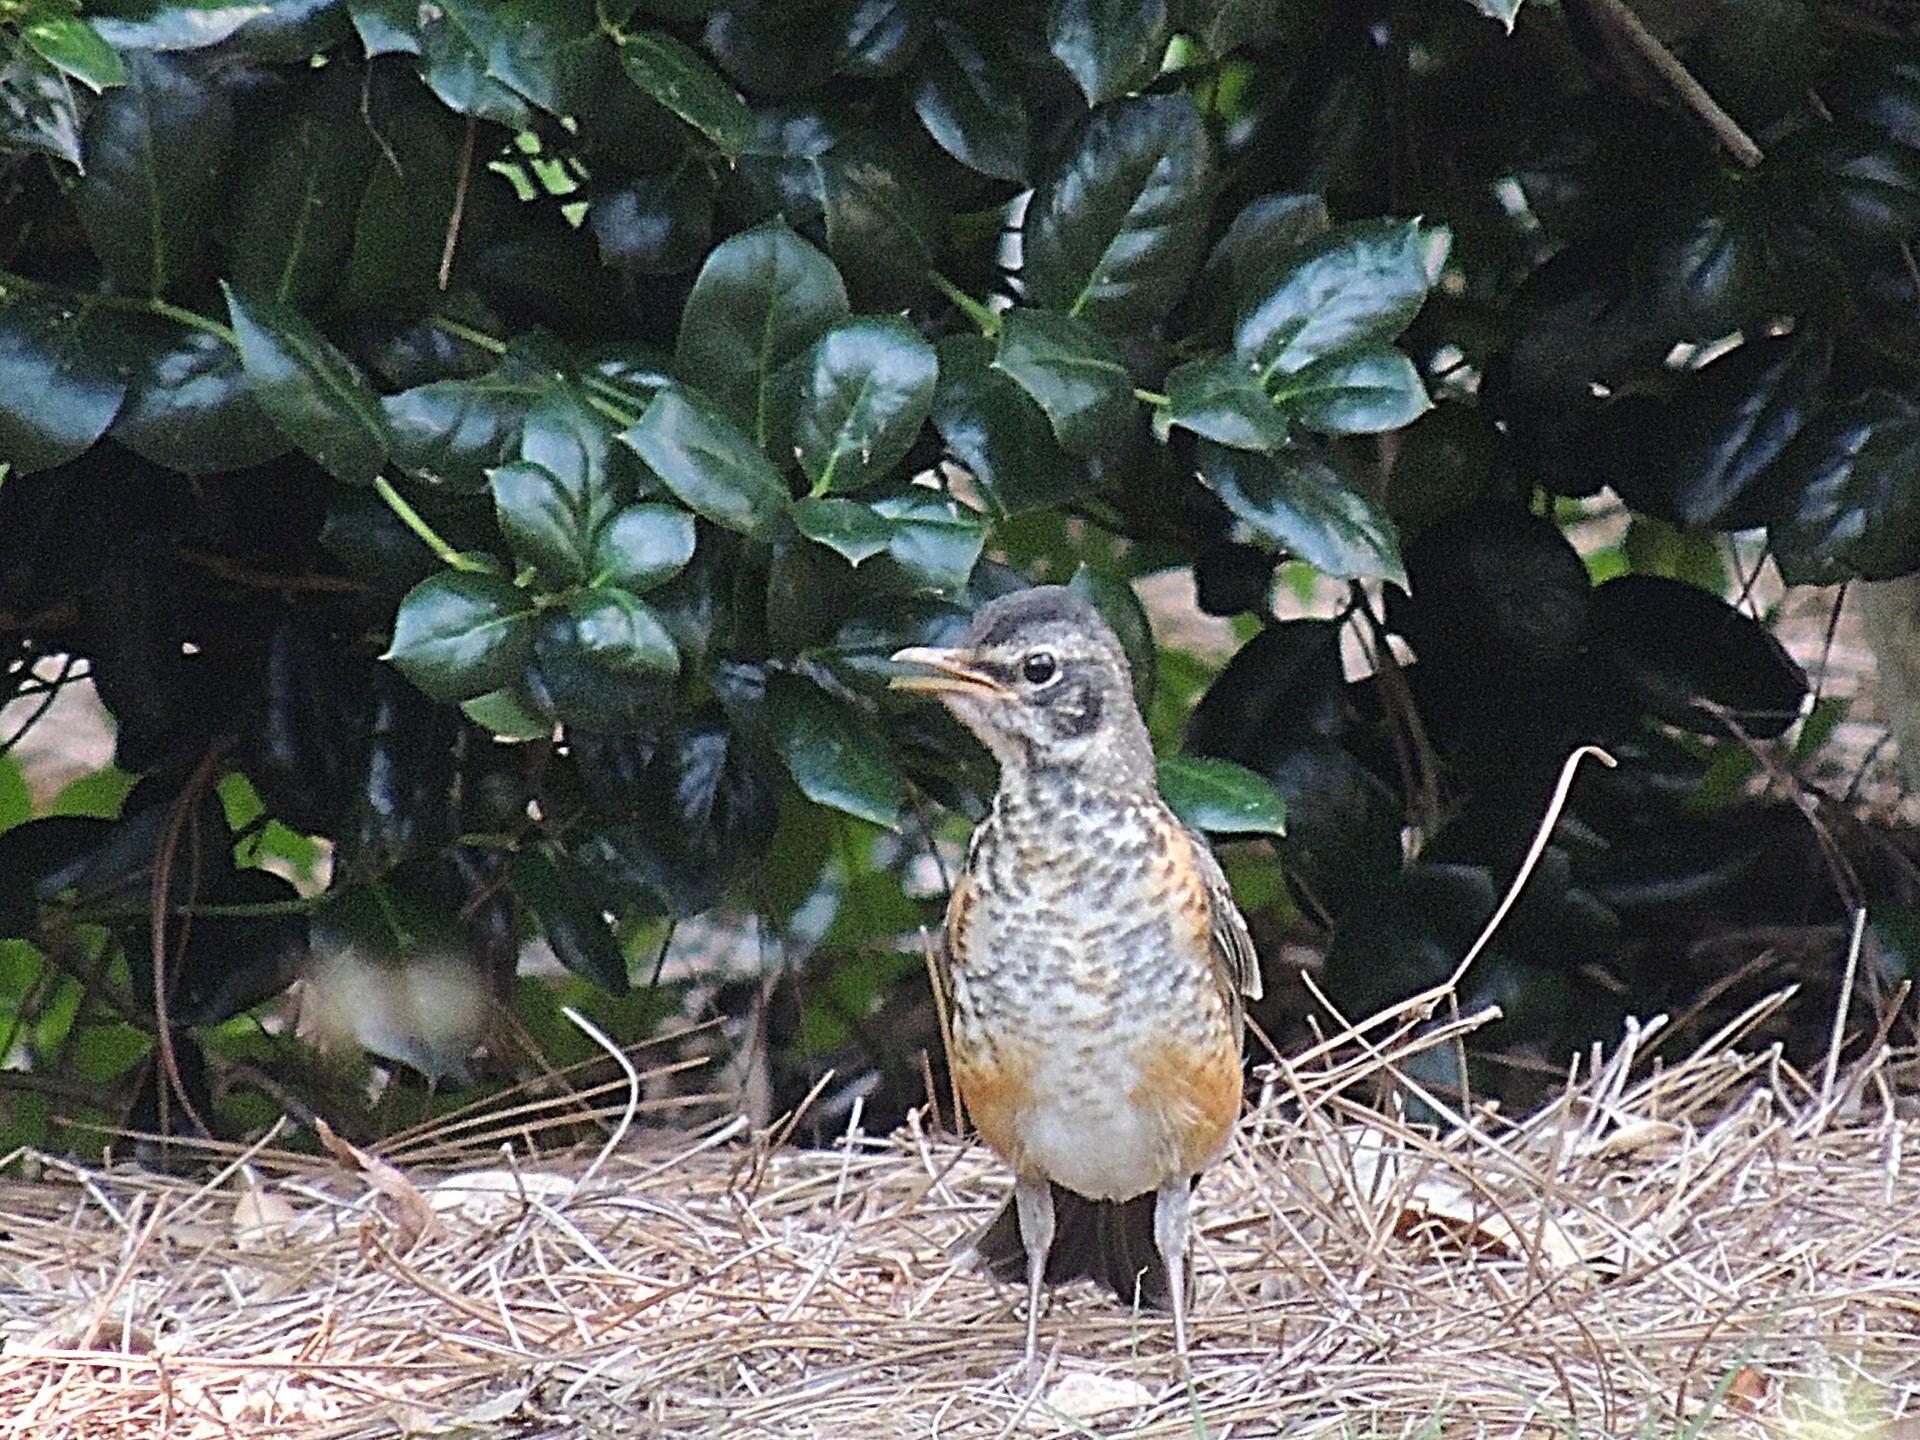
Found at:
(1042, 680)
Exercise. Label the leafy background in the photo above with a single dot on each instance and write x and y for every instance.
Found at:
(482, 454)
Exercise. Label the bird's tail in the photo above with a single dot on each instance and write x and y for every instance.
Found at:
(1110, 1241)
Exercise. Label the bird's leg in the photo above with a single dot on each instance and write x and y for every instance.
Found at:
(1170, 1227)
(1033, 1198)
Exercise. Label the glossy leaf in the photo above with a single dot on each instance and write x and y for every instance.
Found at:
(656, 224)
(935, 543)
(313, 394)
(675, 75)
(1221, 797)
(400, 226)
(710, 464)
(818, 170)
(620, 632)
(293, 241)
(155, 153)
(1854, 478)
(500, 59)
(864, 398)
(1359, 392)
(576, 442)
(999, 434)
(460, 635)
(62, 386)
(1701, 459)
(1505, 11)
(1672, 645)
(849, 529)
(1361, 284)
(547, 519)
(73, 46)
(612, 675)
(883, 36)
(643, 546)
(37, 110)
(761, 299)
(1115, 228)
(576, 928)
(1295, 501)
(451, 433)
(1110, 47)
(190, 408)
(1074, 374)
(1219, 398)
(833, 755)
(968, 104)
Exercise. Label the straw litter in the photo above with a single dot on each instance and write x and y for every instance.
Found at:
(1715, 1246)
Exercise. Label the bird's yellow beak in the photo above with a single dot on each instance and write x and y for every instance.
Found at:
(949, 672)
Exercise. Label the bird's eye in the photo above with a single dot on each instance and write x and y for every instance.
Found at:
(1039, 667)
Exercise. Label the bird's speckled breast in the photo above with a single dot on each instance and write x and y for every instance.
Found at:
(1091, 1037)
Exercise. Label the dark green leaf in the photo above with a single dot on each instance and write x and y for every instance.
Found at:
(656, 224)
(865, 396)
(577, 929)
(1363, 283)
(72, 45)
(37, 112)
(1115, 228)
(834, 756)
(846, 527)
(1699, 459)
(314, 395)
(761, 299)
(587, 679)
(1852, 181)
(64, 377)
(643, 546)
(1295, 501)
(813, 168)
(676, 76)
(293, 238)
(935, 542)
(1110, 47)
(1121, 608)
(997, 432)
(1852, 487)
(619, 632)
(1266, 234)
(511, 714)
(156, 153)
(966, 100)
(279, 32)
(490, 58)
(1223, 26)
(1222, 797)
(400, 226)
(1074, 374)
(710, 464)
(386, 27)
(190, 408)
(1505, 11)
(547, 519)
(1358, 392)
(1218, 397)
(451, 433)
(1670, 645)
(573, 440)
(460, 635)
(882, 36)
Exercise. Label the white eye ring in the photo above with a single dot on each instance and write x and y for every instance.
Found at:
(1040, 668)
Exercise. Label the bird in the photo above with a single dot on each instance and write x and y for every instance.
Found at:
(1093, 962)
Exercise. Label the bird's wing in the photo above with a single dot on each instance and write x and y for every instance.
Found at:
(1233, 950)
(953, 934)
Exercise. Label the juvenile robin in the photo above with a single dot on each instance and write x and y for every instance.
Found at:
(1093, 958)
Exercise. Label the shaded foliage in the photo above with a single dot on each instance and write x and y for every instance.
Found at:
(510, 436)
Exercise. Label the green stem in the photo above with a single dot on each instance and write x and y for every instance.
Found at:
(1153, 398)
(982, 317)
(478, 338)
(192, 319)
(413, 520)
